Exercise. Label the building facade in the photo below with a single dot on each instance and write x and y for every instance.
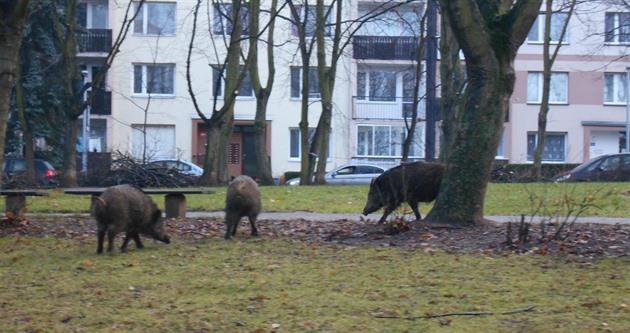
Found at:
(146, 108)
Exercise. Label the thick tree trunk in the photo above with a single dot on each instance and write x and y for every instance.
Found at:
(452, 86)
(490, 36)
(13, 16)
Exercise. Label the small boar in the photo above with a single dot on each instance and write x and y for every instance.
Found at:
(242, 199)
(124, 208)
(411, 183)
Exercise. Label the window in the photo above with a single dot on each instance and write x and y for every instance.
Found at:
(615, 88)
(387, 141)
(246, 89)
(555, 147)
(558, 90)
(295, 148)
(617, 28)
(153, 141)
(222, 19)
(158, 79)
(155, 19)
(313, 83)
(93, 15)
(537, 33)
(308, 17)
(376, 86)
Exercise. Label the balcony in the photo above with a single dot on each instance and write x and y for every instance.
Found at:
(388, 108)
(101, 103)
(95, 40)
(385, 48)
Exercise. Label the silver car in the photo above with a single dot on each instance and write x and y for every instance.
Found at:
(182, 166)
(353, 174)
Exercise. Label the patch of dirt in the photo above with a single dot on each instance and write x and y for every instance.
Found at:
(587, 241)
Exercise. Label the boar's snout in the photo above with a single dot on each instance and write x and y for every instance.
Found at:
(166, 240)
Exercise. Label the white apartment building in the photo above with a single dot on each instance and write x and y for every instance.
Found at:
(147, 88)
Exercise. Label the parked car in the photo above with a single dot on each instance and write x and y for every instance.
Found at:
(605, 168)
(353, 174)
(13, 169)
(182, 166)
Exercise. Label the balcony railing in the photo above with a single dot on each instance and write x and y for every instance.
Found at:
(385, 48)
(386, 108)
(101, 103)
(95, 40)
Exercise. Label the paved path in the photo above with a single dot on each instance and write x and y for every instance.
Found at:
(358, 217)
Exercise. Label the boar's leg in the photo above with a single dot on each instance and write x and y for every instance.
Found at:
(385, 214)
(110, 240)
(136, 238)
(252, 221)
(414, 206)
(101, 239)
(128, 237)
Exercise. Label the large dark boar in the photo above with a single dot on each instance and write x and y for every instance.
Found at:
(124, 208)
(411, 183)
(242, 199)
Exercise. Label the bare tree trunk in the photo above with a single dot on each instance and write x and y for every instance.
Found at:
(13, 17)
(262, 93)
(452, 78)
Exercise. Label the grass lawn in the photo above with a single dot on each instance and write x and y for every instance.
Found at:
(53, 284)
(612, 199)
(250, 285)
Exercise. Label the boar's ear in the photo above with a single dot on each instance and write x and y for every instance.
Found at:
(96, 200)
(156, 215)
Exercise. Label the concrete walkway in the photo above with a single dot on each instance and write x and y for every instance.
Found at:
(375, 217)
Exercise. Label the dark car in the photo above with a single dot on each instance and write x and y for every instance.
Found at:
(13, 169)
(605, 168)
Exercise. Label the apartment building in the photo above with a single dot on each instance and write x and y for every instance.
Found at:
(146, 108)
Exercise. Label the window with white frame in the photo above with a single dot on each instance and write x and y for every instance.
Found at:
(555, 149)
(387, 141)
(155, 19)
(313, 83)
(246, 89)
(308, 17)
(396, 21)
(155, 79)
(617, 28)
(537, 32)
(295, 140)
(558, 89)
(222, 19)
(615, 88)
(376, 85)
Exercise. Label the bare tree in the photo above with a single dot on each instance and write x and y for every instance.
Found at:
(331, 35)
(74, 103)
(13, 17)
(262, 93)
(221, 122)
(489, 33)
(549, 57)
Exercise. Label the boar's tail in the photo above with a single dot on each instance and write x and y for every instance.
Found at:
(96, 200)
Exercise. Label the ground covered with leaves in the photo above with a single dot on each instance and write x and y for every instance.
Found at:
(583, 240)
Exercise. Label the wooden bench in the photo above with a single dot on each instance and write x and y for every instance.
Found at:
(15, 202)
(174, 198)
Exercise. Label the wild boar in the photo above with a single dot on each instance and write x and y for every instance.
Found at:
(124, 208)
(242, 199)
(411, 183)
